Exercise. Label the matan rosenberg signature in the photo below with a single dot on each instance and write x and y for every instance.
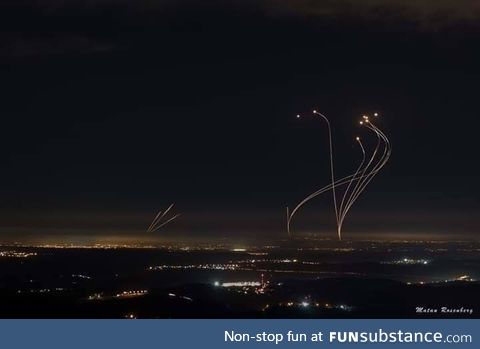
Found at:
(444, 310)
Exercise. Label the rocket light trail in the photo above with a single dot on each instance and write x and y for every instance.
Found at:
(154, 220)
(166, 222)
(338, 183)
(342, 213)
(166, 211)
(384, 159)
(365, 181)
(157, 221)
(362, 176)
(331, 162)
(362, 183)
(359, 185)
(332, 174)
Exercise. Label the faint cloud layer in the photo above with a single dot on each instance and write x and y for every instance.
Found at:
(419, 10)
(423, 11)
(35, 28)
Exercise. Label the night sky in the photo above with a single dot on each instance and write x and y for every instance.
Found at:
(112, 110)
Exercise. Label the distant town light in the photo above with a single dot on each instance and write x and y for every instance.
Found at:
(242, 284)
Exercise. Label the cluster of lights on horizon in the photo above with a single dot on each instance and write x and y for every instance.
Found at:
(131, 293)
(461, 278)
(212, 266)
(17, 254)
(43, 290)
(119, 295)
(309, 304)
(408, 261)
(258, 287)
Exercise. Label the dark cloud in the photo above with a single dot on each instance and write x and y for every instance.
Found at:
(419, 10)
(49, 27)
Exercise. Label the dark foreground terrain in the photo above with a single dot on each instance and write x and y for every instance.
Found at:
(327, 298)
(357, 280)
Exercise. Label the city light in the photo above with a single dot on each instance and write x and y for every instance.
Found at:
(408, 261)
(241, 284)
(16, 254)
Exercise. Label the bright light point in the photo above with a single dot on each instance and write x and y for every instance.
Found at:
(216, 283)
(375, 114)
(305, 304)
(365, 117)
(357, 138)
(298, 116)
(361, 122)
(314, 112)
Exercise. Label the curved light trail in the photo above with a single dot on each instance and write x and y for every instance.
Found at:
(362, 176)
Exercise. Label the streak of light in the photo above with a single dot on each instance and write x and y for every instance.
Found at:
(362, 176)
(166, 222)
(341, 213)
(157, 221)
(332, 174)
(377, 167)
(154, 221)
